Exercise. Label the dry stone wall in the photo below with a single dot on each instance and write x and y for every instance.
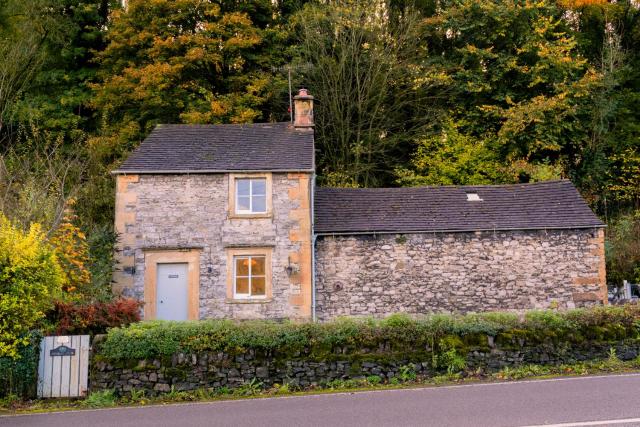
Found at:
(459, 272)
(216, 370)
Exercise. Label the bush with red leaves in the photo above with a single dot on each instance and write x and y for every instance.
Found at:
(74, 319)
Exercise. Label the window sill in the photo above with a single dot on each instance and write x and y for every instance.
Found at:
(250, 215)
(249, 301)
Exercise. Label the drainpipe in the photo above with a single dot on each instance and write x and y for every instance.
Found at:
(313, 250)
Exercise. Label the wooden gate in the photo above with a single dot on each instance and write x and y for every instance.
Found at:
(63, 370)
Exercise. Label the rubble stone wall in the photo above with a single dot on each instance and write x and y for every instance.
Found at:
(459, 272)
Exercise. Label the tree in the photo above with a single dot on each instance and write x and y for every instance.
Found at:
(187, 61)
(366, 71)
(451, 158)
(605, 163)
(72, 251)
(22, 35)
(623, 249)
(38, 176)
(59, 95)
(30, 279)
(515, 76)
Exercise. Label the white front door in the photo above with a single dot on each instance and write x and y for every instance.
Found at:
(171, 292)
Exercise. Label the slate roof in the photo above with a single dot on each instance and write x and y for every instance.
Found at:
(544, 205)
(222, 148)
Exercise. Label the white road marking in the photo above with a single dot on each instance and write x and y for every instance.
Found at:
(590, 423)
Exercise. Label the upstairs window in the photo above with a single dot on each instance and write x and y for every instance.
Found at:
(251, 196)
(250, 276)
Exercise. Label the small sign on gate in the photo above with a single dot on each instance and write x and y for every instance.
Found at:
(63, 350)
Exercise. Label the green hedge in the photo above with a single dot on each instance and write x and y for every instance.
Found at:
(398, 333)
(19, 376)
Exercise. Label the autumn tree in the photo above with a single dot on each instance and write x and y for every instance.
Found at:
(72, 251)
(186, 61)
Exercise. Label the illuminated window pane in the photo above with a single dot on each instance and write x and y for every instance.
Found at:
(242, 285)
(257, 266)
(257, 286)
(242, 266)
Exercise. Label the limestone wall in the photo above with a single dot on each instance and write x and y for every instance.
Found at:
(459, 272)
(156, 213)
(212, 370)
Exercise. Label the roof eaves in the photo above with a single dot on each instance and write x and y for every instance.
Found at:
(470, 230)
(199, 171)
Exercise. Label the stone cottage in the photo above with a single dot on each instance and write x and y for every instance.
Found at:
(225, 221)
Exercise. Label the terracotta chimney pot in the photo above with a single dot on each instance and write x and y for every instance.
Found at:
(303, 109)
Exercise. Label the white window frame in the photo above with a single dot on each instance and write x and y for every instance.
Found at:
(237, 295)
(250, 211)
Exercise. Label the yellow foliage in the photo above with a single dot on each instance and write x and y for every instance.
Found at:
(577, 4)
(30, 279)
(73, 253)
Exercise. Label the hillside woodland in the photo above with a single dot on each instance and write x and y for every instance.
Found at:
(423, 92)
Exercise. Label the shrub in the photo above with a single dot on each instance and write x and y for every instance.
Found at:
(374, 379)
(101, 240)
(623, 249)
(101, 399)
(444, 337)
(407, 373)
(18, 376)
(76, 318)
(72, 251)
(30, 279)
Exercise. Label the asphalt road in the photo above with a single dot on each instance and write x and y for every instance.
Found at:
(586, 401)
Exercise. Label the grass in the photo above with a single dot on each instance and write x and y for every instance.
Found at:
(255, 389)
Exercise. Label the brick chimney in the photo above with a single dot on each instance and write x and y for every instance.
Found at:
(303, 109)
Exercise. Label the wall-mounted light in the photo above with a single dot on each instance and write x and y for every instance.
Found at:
(291, 268)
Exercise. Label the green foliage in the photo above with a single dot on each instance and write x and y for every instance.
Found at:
(407, 373)
(19, 375)
(58, 95)
(101, 399)
(368, 73)
(452, 158)
(249, 388)
(39, 176)
(136, 395)
(444, 337)
(448, 358)
(623, 249)
(101, 240)
(374, 379)
(30, 280)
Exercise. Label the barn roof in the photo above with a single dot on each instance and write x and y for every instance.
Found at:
(223, 148)
(544, 205)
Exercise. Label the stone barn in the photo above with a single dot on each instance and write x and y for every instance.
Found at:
(225, 221)
(456, 249)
